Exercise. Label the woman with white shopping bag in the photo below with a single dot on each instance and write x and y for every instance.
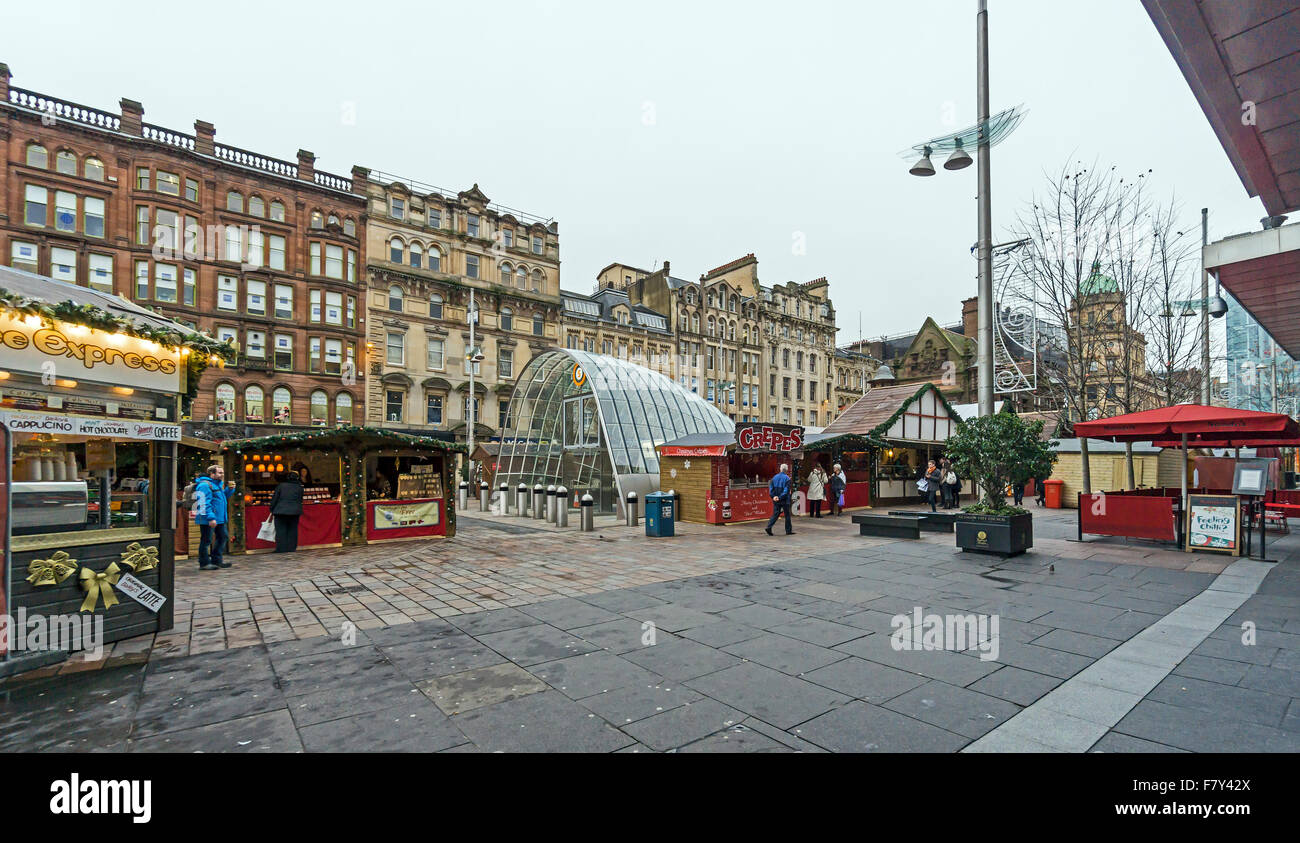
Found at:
(286, 508)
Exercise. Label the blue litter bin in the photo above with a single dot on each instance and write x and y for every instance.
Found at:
(659, 514)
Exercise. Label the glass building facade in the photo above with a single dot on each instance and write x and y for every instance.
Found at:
(1252, 356)
(591, 423)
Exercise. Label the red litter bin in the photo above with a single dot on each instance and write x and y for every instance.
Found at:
(1052, 493)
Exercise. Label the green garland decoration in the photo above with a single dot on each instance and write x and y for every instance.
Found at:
(204, 347)
(881, 429)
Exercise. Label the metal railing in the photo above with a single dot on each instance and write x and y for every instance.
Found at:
(425, 188)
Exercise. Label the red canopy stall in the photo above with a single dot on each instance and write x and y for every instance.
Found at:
(1182, 425)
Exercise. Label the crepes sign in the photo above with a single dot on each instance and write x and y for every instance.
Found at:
(81, 353)
(772, 438)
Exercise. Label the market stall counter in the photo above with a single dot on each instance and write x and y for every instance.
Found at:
(91, 390)
(360, 485)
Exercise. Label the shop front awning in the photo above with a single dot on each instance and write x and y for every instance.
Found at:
(1262, 272)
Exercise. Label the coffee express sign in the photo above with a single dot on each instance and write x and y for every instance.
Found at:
(776, 438)
(79, 353)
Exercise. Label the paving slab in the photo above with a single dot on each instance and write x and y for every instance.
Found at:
(272, 731)
(768, 694)
(683, 724)
(542, 722)
(862, 727)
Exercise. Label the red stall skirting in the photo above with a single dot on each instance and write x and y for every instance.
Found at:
(319, 524)
(1134, 516)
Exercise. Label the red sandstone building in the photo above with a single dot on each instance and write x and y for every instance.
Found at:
(265, 252)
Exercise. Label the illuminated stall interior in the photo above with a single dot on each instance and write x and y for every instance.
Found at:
(591, 423)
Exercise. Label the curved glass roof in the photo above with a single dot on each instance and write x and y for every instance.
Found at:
(582, 419)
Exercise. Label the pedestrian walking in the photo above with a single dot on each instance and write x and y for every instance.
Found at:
(1018, 492)
(945, 491)
(1040, 489)
(952, 483)
(816, 490)
(779, 489)
(211, 499)
(933, 478)
(838, 484)
(286, 507)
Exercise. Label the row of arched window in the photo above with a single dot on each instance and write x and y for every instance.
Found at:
(253, 408)
(419, 254)
(65, 162)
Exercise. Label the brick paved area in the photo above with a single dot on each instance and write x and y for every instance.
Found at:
(517, 638)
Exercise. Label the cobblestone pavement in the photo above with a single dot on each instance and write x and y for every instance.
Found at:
(518, 637)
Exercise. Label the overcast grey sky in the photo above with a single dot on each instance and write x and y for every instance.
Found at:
(689, 131)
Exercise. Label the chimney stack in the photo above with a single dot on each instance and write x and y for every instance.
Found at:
(360, 178)
(132, 117)
(4, 82)
(306, 165)
(203, 138)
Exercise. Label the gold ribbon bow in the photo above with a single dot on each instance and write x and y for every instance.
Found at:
(51, 571)
(99, 584)
(140, 559)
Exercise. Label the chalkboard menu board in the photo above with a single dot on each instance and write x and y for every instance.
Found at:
(1214, 523)
(423, 481)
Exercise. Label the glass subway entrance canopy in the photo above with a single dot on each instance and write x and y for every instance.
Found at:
(591, 423)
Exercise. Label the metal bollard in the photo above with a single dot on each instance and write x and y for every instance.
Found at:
(539, 502)
(561, 506)
(633, 510)
(588, 523)
(550, 504)
(462, 498)
(505, 499)
(521, 500)
(483, 490)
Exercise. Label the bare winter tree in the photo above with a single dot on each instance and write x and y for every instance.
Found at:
(1167, 316)
(1086, 222)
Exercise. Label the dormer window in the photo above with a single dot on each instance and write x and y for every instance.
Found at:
(397, 208)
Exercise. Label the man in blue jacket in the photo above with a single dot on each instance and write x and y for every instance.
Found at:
(779, 489)
(211, 496)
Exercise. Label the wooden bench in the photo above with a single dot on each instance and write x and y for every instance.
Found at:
(888, 526)
(931, 522)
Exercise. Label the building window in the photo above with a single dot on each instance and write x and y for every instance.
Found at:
(284, 352)
(256, 345)
(396, 350)
(397, 208)
(141, 178)
(255, 298)
(471, 266)
(37, 198)
(100, 275)
(313, 354)
(314, 261)
(435, 306)
(507, 319)
(316, 220)
(352, 265)
(435, 259)
(503, 415)
(333, 261)
(227, 293)
(396, 250)
(537, 245)
(333, 357)
(283, 301)
(169, 183)
(280, 407)
(191, 188)
(93, 216)
(506, 272)
(395, 298)
(537, 324)
(417, 254)
(63, 265)
(38, 157)
(234, 244)
(505, 363)
(254, 404)
(435, 217)
(277, 212)
(225, 404)
(235, 201)
(164, 282)
(521, 278)
(507, 237)
(436, 358)
(256, 248)
(277, 252)
(257, 208)
(393, 401)
(320, 408)
(350, 227)
(343, 408)
(471, 225)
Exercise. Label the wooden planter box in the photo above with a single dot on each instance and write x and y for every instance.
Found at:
(1001, 535)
